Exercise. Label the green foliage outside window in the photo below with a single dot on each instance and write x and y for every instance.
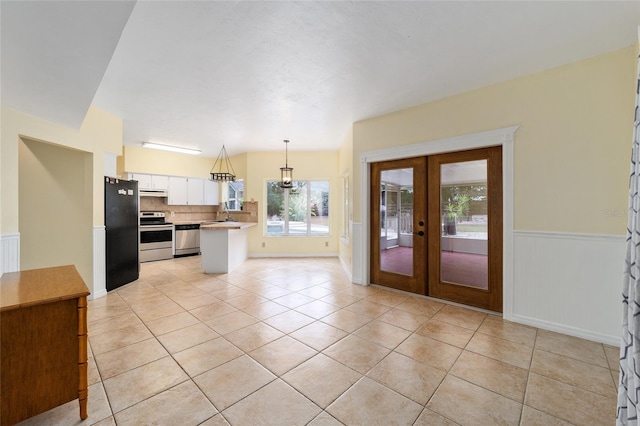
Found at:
(301, 210)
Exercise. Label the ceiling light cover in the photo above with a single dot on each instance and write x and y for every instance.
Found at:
(220, 175)
(286, 172)
(171, 148)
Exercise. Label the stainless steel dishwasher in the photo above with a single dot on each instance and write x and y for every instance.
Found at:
(187, 239)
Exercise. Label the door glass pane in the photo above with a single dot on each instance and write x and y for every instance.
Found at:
(396, 221)
(464, 213)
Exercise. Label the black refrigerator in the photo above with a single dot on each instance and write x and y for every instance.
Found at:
(121, 215)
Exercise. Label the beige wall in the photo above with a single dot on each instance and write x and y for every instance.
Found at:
(263, 166)
(100, 133)
(255, 168)
(153, 161)
(55, 187)
(571, 151)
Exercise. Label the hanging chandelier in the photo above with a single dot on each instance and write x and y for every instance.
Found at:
(286, 172)
(220, 175)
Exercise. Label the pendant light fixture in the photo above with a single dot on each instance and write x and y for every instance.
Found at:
(220, 175)
(286, 172)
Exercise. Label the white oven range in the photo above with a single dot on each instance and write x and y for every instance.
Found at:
(156, 237)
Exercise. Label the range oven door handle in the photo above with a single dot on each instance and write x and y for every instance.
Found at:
(156, 227)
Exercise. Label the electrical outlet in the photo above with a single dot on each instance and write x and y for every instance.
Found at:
(173, 214)
(264, 245)
(326, 243)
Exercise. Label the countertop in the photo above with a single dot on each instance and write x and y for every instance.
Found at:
(201, 221)
(226, 225)
(189, 222)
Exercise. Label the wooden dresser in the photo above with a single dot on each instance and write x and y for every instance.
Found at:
(43, 333)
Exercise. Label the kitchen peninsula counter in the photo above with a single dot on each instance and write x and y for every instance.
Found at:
(224, 245)
(227, 225)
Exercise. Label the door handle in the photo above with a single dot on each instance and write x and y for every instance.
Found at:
(421, 233)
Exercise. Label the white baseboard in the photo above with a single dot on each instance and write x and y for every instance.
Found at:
(99, 265)
(345, 268)
(268, 255)
(97, 294)
(9, 253)
(359, 256)
(568, 330)
(569, 283)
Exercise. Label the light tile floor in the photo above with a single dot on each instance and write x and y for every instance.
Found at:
(293, 342)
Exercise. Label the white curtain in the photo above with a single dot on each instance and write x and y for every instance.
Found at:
(629, 382)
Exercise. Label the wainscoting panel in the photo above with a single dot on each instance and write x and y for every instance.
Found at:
(345, 268)
(569, 283)
(359, 255)
(99, 266)
(9, 253)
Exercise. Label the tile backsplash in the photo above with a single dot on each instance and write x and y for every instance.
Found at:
(180, 213)
(196, 213)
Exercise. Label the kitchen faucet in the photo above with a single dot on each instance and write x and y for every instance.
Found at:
(226, 210)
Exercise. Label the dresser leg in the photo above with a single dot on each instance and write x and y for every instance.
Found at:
(83, 391)
(83, 406)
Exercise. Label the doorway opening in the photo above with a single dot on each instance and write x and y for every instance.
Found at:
(55, 181)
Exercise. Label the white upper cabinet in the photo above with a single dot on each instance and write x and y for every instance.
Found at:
(186, 191)
(159, 182)
(177, 190)
(146, 181)
(210, 193)
(195, 191)
(182, 190)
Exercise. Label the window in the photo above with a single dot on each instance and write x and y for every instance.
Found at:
(301, 210)
(236, 195)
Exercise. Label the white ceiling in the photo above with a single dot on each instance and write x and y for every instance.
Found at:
(201, 74)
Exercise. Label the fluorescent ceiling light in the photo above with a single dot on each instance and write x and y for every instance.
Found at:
(171, 148)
